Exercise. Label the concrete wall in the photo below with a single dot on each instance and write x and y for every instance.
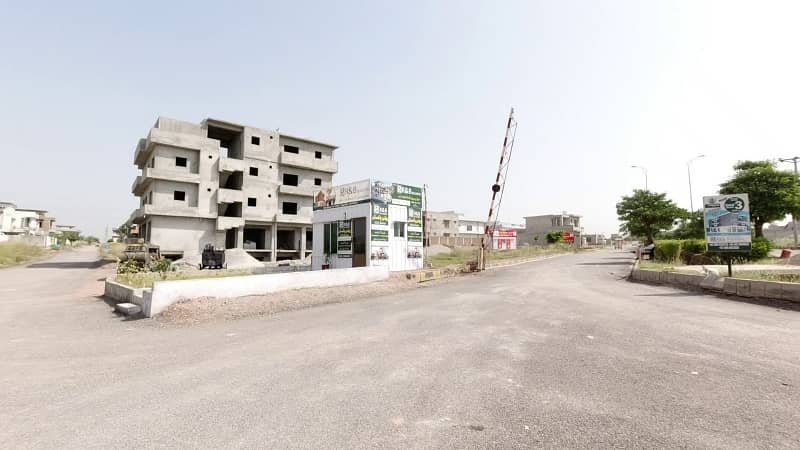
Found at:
(267, 148)
(184, 234)
(122, 293)
(164, 159)
(165, 293)
(164, 192)
(435, 223)
(308, 149)
(264, 188)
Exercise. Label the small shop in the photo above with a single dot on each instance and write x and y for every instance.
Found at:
(504, 239)
(368, 223)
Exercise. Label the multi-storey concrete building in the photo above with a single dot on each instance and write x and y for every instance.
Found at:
(228, 185)
(537, 227)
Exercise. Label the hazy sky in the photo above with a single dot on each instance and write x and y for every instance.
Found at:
(412, 92)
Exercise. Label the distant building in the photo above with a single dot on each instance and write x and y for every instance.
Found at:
(471, 227)
(442, 224)
(537, 228)
(33, 225)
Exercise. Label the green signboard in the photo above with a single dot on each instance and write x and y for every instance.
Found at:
(379, 235)
(380, 213)
(414, 217)
(344, 239)
(410, 194)
(414, 236)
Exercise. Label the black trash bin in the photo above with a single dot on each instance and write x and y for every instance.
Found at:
(212, 258)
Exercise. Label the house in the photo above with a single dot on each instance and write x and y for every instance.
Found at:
(32, 225)
(537, 227)
(228, 185)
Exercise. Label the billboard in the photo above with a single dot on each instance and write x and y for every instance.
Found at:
(366, 190)
(726, 220)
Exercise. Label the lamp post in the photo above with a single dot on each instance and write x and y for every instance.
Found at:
(794, 220)
(689, 172)
(645, 176)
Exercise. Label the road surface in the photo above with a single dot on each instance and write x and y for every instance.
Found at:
(557, 353)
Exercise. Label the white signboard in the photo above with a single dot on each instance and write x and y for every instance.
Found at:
(726, 219)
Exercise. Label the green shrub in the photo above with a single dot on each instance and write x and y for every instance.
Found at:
(129, 266)
(695, 246)
(759, 249)
(667, 250)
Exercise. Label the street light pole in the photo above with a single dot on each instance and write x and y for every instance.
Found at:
(689, 172)
(645, 176)
(794, 220)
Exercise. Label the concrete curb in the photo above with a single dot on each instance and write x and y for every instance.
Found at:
(769, 290)
(422, 276)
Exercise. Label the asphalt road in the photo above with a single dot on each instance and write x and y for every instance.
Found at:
(557, 353)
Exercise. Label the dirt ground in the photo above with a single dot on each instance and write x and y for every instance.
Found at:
(200, 310)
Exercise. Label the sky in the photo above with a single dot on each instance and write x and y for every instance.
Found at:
(411, 92)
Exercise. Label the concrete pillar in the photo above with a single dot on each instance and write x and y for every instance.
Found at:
(240, 237)
(274, 242)
(302, 242)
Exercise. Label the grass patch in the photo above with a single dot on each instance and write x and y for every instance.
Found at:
(461, 257)
(146, 279)
(763, 275)
(658, 265)
(13, 253)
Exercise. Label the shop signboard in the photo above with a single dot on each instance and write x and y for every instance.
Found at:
(414, 236)
(414, 217)
(379, 235)
(726, 219)
(407, 195)
(344, 239)
(346, 194)
(380, 213)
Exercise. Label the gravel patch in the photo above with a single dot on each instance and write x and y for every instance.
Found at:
(205, 309)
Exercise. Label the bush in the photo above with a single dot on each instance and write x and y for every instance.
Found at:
(667, 250)
(759, 249)
(129, 266)
(694, 246)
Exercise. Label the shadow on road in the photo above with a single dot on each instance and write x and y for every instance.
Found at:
(69, 265)
(614, 263)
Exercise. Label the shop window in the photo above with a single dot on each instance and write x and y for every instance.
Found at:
(399, 229)
(329, 240)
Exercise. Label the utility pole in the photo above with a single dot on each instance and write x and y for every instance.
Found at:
(689, 171)
(425, 240)
(497, 188)
(794, 219)
(645, 176)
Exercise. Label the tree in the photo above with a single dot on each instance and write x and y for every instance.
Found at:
(689, 228)
(554, 237)
(773, 193)
(645, 214)
(90, 239)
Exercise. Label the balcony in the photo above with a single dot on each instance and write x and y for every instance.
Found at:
(229, 196)
(231, 165)
(149, 174)
(226, 223)
(138, 215)
(167, 138)
(293, 218)
(303, 191)
(308, 162)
